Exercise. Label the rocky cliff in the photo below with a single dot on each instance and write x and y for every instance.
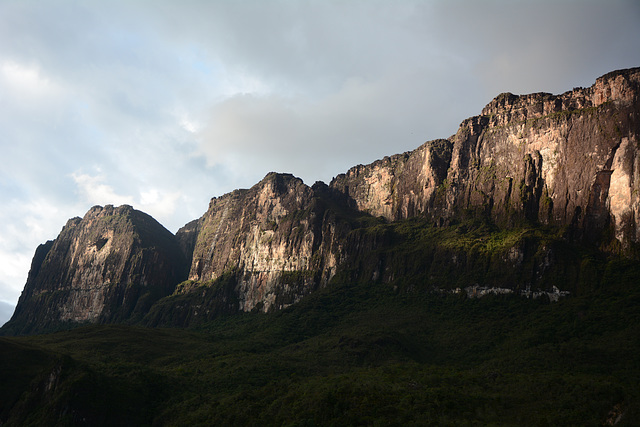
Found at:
(567, 162)
(273, 236)
(261, 248)
(109, 266)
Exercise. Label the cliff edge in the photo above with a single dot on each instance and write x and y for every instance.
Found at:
(568, 160)
(109, 266)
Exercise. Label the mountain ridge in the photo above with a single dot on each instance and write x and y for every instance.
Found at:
(569, 162)
(522, 156)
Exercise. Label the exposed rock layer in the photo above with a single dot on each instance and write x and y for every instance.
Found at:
(274, 237)
(109, 266)
(570, 161)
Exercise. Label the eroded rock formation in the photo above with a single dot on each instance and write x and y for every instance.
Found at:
(275, 237)
(109, 266)
(570, 160)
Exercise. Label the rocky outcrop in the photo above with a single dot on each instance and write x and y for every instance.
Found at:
(275, 238)
(399, 186)
(568, 160)
(109, 266)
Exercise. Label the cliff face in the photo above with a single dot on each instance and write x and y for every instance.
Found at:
(400, 186)
(569, 160)
(109, 266)
(274, 238)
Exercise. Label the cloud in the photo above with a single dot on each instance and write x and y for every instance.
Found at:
(25, 225)
(93, 190)
(159, 203)
(6, 311)
(22, 80)
(318, 138)
(163, 104)
(545, 45)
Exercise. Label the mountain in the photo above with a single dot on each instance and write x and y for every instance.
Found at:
(371, 287)
(275, 233)
(528, 197)
(565, 160)
(109, 266)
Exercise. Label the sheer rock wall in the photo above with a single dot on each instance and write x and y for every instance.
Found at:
(570, 160)
(109, 266)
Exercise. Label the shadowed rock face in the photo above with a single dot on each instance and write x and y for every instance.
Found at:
(569, 160)
(400, 186)
(109, 266)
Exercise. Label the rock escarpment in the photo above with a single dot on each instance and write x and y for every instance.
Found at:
(570, 162)
(258, 249)
(399, 186)
(274, 237)
(567, 160)
(109, 266)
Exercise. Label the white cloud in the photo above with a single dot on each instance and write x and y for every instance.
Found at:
(190, 126)
(26, 80)
(93, 190)
(159, 203)
(12, 271)
(25, 225)
(165, 104)
(6, 311)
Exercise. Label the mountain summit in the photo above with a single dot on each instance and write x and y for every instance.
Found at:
(109, 266)
(565, 160)
(567, 164)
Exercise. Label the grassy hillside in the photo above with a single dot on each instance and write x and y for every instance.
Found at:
(351, 354)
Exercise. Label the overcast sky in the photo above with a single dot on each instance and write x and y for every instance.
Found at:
(165, 104)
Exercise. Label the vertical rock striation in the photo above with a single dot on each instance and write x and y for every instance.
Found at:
(399, 186)
(568, 160)
(274, 238)
(109, 266)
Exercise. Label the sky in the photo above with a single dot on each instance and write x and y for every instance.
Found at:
(165, 104)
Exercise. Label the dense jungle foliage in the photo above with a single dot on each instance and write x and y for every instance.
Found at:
(350, 354)
(365, 352)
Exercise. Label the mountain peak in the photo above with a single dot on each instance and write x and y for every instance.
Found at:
(569, 162)
(109, 266)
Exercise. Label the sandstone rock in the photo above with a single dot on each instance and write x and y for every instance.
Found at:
(400, 186)
(274, 237)
(109, 266)
(568, 160)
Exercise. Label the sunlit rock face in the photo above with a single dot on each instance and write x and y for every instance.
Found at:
(399, 186)
(569, 159)
(109, 266)
(273, 237)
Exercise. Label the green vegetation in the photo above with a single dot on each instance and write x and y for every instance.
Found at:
(296, 276)
(416, 256)
(349, 354)
(385, 343)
